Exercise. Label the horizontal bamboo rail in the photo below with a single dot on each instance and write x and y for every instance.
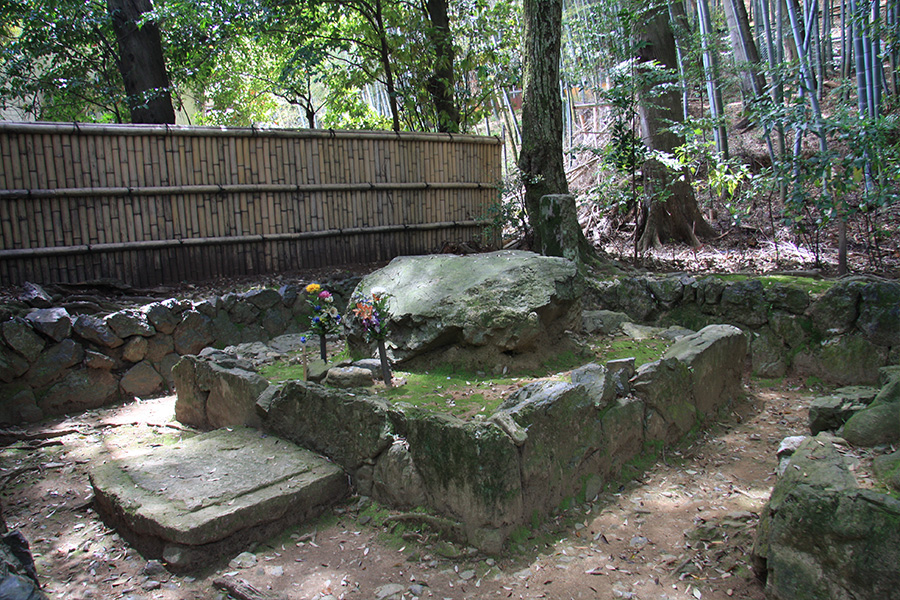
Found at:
(218, 241)
(237, 189)
(151, 204)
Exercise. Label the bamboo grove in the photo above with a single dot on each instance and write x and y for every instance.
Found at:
(816, 79)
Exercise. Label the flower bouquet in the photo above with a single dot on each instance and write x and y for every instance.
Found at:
(325, 317)
(373, 314)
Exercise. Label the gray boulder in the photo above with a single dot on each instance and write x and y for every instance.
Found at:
(821, 536)
(397, 482)
(832, 411)
(484, 307)
(130, 323)
(349, 429)
(879, 313)
(715, 356)
(53, 362)
(22, 338)
(55, 323)
(349, 377)
(193, 334)
(92, 329)
(12, 365)
(80, 390)
(142, 381)
(161, 316)
(212, 394)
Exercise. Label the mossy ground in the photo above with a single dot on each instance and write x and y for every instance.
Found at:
(465, 394)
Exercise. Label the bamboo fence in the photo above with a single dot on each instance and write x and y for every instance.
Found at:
(149, 204)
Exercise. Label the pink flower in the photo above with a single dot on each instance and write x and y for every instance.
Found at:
(324, 294)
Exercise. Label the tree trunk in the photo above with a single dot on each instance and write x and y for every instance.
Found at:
(440, 84)
(746, 54)
(670, 209)
(541, 155)
(141, 62)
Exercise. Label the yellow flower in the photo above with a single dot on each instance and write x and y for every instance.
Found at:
(313, 288)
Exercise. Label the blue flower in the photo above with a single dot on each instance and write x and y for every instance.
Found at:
(302, 339)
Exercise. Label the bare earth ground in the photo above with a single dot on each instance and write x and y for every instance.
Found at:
(681, 531)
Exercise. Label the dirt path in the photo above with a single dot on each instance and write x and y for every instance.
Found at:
(683, 530)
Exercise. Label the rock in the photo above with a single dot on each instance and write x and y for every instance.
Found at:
(18, 576)
(836, 310)
(55, 323)
(879, 312)
(832, 411)
(667, 290)
(159, 346)
(142, 381)
(275, 320)
(887, 469)
(715, 356)
(391, 591)
(349, 377)
(243, 311)
(53, 362)
(667, 388)
(769, 354)
(130, 323)
(598, 383)
(787, 448)
(396, 481)
(349, 429)
(848, 359)
(211, 395)
(876, 425)
(289, 294)
(483, 307)
(34, 295)
(94, 330)
(635, 299)
(745, 302)
(709, 293)
(787, 297)
(225, 332)
(161, 317)
(96, 360)
(21, 337)
(193, 334)
(12, 366)
(605, 322)
(244, 560)
(820, 536)
(373, 365)
(262, 298)
(213, 494)
(80, 390)
(19, 406)
(135, 349)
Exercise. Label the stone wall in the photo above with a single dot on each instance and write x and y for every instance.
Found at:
(549, 441)
(72, 355)
(841, 332)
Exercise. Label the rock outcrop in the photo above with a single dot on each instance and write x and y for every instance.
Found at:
(483, 310)
(822, 536)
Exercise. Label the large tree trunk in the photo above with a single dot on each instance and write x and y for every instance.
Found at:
(670, 209)
(440, 84)
(541, 156)
(141, 62)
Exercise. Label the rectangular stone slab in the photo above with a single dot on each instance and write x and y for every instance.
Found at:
(214, 487)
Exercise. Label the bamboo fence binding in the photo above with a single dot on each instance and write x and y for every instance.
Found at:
(150, 204)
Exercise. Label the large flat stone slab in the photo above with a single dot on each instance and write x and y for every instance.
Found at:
(213, 493)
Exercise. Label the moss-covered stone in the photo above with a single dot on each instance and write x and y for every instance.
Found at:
(820, 536)
(879, 312)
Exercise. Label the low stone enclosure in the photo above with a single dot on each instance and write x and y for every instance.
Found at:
(551, 440)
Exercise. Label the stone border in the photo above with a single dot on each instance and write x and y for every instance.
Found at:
(549, 441)
(73, 357)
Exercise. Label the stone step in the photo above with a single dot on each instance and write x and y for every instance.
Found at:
(213, 494)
